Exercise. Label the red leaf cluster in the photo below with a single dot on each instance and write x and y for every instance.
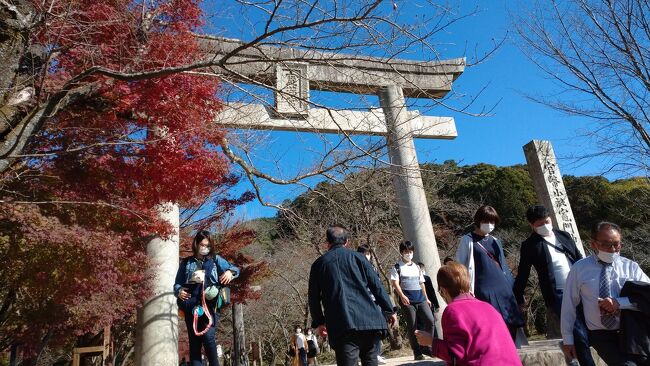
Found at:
(114, 154)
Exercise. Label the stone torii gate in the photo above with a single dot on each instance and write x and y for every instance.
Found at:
(292, 73)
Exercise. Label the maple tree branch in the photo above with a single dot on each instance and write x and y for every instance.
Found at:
(62, 202)
(16, 141)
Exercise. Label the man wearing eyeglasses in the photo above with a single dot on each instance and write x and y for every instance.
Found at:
(596, 282)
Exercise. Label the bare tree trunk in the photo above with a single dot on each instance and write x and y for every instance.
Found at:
(306, 313)
(33, 361)
(13, 355)
(126, 356)
(274, 356)
(239, 351)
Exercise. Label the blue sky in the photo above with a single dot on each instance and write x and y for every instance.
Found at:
(495, 139)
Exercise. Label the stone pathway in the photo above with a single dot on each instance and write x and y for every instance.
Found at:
(408, 360)
(538, 353)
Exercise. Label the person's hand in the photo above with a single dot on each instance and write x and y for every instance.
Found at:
(569, 351)
(392, 320)
(405, 300)
(608, 305)
(183, 294)
(424, 338)
(225, 277)
(322, 330)
(429, 303)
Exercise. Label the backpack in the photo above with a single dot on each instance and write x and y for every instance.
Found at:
(399, 275)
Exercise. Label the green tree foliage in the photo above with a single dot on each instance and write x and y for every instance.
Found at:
(508, 189)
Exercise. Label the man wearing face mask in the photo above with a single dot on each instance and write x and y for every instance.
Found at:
(596, 283)
(408, 281)
(552, 253)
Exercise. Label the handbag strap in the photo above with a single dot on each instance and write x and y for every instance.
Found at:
(205, 310)
(489, 254)
(562, 249)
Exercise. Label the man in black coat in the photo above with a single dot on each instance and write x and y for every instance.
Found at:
(342, 281)
(552, 252)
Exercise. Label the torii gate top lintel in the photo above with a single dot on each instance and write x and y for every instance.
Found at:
(339, 72)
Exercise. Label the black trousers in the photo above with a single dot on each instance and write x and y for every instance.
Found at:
(606, 343)
(419, 314)
(358, 345)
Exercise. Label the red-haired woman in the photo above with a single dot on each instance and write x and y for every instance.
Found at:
(474, 332)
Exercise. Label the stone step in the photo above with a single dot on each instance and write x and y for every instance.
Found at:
(548, 353)
(536, 353)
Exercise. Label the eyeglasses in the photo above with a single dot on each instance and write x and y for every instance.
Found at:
(608, 245)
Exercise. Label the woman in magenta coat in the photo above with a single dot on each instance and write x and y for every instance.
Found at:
(474, 332)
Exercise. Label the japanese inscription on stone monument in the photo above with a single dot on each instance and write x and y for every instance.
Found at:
(549, 187)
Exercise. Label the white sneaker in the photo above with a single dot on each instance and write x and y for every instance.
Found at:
(381, 360)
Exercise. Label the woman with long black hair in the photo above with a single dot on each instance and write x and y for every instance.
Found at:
(198, 281)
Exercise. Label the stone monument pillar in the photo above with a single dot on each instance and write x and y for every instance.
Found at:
(157, 324)
(411, 197)
(549, 187)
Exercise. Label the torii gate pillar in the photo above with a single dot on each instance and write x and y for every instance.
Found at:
(407, 180)
(157, 320)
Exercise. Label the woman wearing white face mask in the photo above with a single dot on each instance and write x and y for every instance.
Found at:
(194, 299)
(312, 347)
(490, 277)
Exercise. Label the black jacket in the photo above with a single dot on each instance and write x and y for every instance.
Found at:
(534, 252)
(431, 292)
(635, 325)
(340, 280)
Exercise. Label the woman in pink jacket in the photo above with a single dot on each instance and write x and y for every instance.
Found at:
(474, 332)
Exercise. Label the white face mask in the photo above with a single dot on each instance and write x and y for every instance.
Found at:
(407, 257)
(487, 227)
(368, 258)
(544, 230)
(204, 251)
(607, 257)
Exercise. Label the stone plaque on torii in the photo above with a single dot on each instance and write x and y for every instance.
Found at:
(292, 73)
